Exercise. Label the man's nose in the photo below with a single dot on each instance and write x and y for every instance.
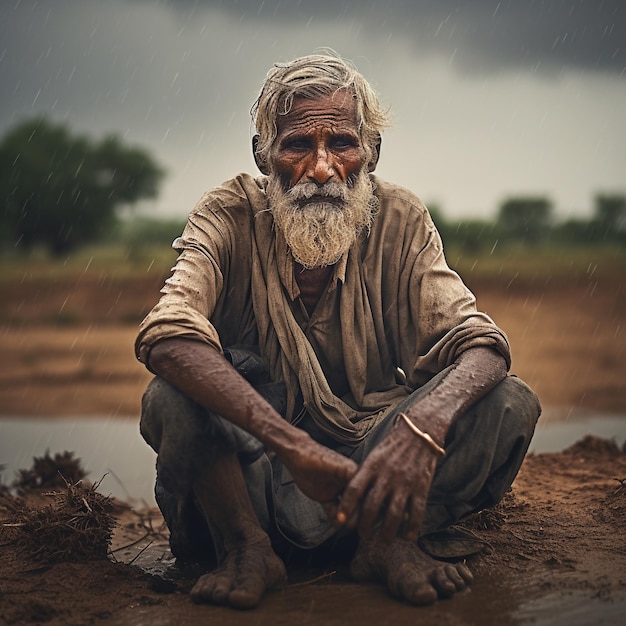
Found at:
(321, 168)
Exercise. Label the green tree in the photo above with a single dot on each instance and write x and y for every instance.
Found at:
(525, 219)
(61, 190)
(575, 232)
(610, 216)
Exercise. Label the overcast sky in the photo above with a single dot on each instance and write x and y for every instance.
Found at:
(489, 99)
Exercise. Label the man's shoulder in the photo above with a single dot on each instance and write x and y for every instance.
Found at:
(399, 204)
(394, 195)
(242, 193)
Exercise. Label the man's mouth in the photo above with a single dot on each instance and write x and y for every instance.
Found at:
(327, 200)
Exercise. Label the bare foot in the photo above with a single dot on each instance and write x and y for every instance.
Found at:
(408, 572)
(247, 572)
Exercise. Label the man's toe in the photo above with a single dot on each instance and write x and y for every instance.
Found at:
(465, 573)
(248, 595)
(422, 594)
(221, 590)
(440, 581)
(204, 589)
(455, 577)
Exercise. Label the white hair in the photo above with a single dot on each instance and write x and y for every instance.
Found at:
(312, 77)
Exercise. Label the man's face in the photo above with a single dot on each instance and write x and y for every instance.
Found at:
(318, 142)
(319, 189)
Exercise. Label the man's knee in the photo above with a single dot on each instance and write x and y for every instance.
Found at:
(484, 451)
(187, 437)
(504, 421)
(159, 399)
(515, 403)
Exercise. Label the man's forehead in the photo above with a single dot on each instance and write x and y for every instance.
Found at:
(336, 108)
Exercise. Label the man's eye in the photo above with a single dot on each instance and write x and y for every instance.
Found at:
(297, 144)
(341, 143)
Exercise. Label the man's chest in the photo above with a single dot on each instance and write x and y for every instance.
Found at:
(312, 284)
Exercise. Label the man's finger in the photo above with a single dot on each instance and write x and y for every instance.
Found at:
(372, 509)
(337, 517)
(417, 510)
(344, 468)
(351, 498)
(394, 517)
(331, 508)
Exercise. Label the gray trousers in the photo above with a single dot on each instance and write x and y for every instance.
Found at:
(484, 451)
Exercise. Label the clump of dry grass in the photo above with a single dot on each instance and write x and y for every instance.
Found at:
(76, 526)
(591, 445)
(50, 472)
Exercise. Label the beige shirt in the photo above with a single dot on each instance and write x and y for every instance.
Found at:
(394, 314)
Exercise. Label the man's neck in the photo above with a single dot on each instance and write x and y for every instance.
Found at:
(312, 283)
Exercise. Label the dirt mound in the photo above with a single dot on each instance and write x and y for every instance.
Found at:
(593, 446)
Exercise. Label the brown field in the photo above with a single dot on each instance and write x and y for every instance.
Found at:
(67, 336)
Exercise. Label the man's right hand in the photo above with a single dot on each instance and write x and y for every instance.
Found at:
(319, 472)
(204, 375)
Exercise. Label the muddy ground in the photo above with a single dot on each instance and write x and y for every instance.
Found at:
(555, 555)
(558, 557)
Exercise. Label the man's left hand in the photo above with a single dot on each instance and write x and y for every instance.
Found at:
(391, 486)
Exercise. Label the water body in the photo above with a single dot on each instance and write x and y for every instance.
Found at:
(559, 428)
(112, 448)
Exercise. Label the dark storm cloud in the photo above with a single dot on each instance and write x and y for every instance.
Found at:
(97, 62)
(488, 35)
(469, 82)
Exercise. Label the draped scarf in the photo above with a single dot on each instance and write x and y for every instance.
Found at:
(291, 357)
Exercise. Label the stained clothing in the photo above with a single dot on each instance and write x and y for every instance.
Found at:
(485, 448)
(393, 318)
(393, 315)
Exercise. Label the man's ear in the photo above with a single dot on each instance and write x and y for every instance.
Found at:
(261, 163)
(371, 166)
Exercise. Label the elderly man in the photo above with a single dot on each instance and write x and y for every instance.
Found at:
(323, 380)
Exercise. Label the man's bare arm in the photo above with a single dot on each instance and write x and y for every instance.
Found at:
(204, 375)
(394, 481)
(476, 372)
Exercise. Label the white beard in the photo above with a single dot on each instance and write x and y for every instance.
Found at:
(321, 223)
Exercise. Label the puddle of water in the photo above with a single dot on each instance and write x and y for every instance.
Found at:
(572, 609)
(114, 447)
(560, 428)
(109, 447)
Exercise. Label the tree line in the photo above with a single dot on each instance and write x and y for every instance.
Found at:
(60, 191)
(529, 221)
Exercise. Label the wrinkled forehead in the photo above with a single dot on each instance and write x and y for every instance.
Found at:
(334, 110)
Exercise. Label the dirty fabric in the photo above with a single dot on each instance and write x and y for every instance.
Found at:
(394, 314)
(484, 450)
